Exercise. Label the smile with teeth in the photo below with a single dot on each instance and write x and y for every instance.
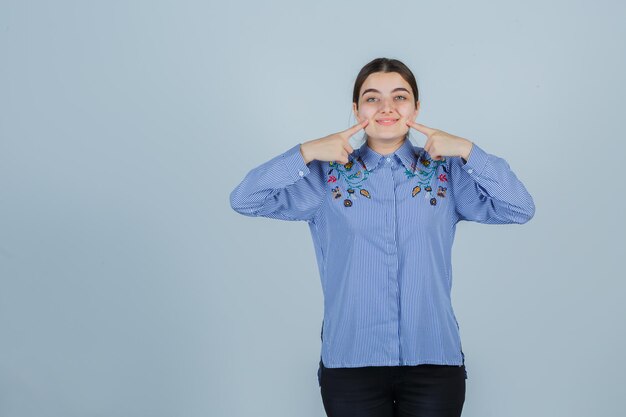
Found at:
(386, 121)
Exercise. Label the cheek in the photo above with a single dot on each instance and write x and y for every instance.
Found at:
(366, 112)
(407, 110)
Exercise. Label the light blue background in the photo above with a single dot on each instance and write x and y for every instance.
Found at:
(128, 286)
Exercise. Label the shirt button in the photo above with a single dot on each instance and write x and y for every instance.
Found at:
(301, 173)
(470, 170)
(388, 159)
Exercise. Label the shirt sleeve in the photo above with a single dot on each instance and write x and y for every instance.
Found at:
(487, 191)
(284, 188)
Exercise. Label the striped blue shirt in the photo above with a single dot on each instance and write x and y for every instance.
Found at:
(383, 228)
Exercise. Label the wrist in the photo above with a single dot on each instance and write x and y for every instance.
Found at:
(468, 150)
(304, 152)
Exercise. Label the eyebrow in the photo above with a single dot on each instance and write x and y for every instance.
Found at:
(373, 90)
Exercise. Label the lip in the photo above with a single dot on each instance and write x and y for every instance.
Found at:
(387, 121)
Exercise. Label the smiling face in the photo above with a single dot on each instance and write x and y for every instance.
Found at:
(387, 100)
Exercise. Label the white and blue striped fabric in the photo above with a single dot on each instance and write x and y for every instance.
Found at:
(383, 228)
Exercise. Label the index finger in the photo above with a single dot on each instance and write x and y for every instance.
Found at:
(352, 130)
(421, 128)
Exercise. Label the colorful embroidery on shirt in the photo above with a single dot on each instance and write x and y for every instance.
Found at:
(426, 175)
(354, 180)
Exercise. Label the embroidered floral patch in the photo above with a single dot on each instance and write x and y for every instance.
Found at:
(426, 175)
(354, 180)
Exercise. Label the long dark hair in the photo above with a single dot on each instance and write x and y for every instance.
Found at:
(384, 65)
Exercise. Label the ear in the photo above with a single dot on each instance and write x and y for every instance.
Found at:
(355, 111)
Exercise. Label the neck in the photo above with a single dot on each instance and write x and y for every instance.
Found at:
(385, 147)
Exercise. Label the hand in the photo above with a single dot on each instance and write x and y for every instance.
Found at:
(335, 147)
(440, 143)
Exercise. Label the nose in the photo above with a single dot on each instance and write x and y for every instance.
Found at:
(387, 105)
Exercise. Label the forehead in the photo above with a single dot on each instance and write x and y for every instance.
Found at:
(385, 81)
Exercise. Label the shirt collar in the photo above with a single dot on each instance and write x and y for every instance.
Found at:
(406, 152)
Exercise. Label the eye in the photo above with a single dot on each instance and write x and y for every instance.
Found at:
(374, 98)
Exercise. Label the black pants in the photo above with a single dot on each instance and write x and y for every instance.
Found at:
(393, 391)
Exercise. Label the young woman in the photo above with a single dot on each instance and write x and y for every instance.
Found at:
(383, 218)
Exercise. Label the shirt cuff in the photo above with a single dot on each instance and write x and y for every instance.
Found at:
(294, 163)
(477, 161)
